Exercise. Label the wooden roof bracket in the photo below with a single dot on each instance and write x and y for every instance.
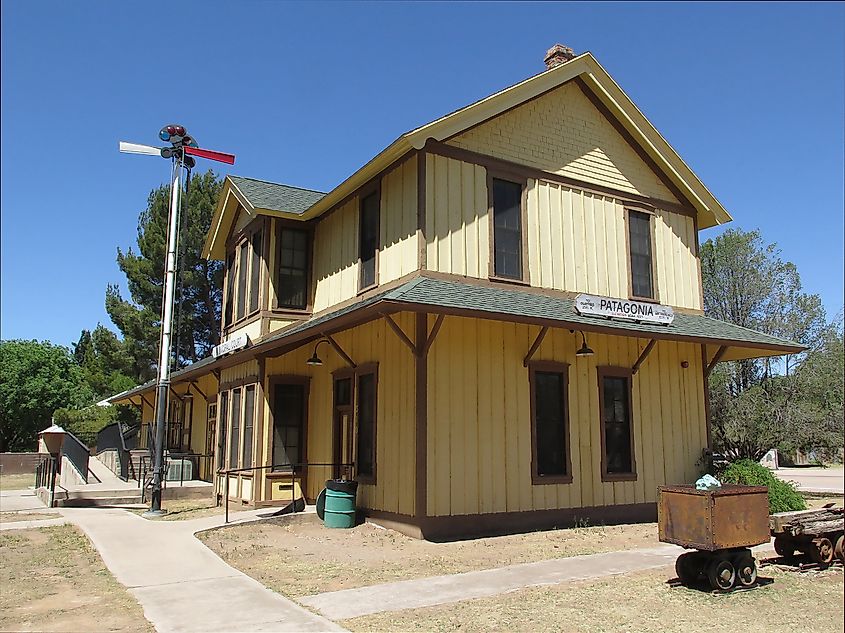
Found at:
(643, 356)
(535, 345)
(432, 335)
(193, 385)
(716, 358)
(339, 350)
(400, 333)
(146, 402)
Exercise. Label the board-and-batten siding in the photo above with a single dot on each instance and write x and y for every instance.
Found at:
(479, 433)
(562, 132)
(395, 434)
(336, 239)
(576, 239)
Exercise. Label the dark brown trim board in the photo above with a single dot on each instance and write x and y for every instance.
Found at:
(422, 241)
(421, 422)
(562, 369)
(626, 373)
(446, 528)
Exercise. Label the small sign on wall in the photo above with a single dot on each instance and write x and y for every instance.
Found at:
(590, 305)
(232, 345)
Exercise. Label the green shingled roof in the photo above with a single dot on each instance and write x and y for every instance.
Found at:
(275, 197)
(530, 306)
(468, 299)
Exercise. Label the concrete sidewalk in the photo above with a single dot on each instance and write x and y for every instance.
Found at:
(426, 592)
(181, 584)
(818, 480)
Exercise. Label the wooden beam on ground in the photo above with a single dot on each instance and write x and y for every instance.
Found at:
(716, 358)
(400, 333)
(535, 345)
(643, 356)
(340, 351)
(434, 330)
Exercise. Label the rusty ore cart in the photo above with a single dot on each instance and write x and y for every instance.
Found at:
(721, 524)
(816, 533)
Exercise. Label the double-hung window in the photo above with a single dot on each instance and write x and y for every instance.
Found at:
(367, 404)
(639, 238)
(617, 434)
(244, 265)
(506, 207)
(292, 277)
(550, 451)
(368, 241)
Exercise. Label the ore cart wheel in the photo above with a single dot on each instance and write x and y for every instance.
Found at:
(839, 548)
(785, 547)
(721, 574)
(821, 551)
(746, 570)
(685, 567)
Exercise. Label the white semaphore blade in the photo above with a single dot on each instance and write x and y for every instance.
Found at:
(137, 148)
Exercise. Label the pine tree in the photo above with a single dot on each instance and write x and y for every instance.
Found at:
(199, 282)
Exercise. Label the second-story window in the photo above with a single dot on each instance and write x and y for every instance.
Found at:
(639, 236)
(292, 280)
(243, 277)
(507, 229)
(368, 240)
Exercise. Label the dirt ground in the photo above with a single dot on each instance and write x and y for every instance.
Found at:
(642, 602)
(299, 560)
(9, 517)
(17, 482)
(52, 579)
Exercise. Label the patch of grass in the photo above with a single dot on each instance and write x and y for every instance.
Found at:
(185, 509)
(17, 482)
(52, 579)
(641, 602)
(10, 517)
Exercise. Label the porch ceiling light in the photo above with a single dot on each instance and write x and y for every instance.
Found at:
(315, 361)
(584, 351)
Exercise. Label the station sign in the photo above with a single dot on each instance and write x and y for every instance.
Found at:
(232, 345)
(609, 307)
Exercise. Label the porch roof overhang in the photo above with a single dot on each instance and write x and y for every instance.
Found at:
(464, 298)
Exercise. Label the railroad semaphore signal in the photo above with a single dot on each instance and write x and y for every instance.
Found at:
(181, 152)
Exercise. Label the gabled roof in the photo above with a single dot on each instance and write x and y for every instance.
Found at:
(272, 196)
(596, 79)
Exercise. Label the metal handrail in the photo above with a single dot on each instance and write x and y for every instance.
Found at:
(78, 455)
(280, 468)
(145, 468)
(45, 474)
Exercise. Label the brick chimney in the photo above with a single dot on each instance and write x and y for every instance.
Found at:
(557, 55)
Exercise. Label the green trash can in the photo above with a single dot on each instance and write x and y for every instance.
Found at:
(339, 510)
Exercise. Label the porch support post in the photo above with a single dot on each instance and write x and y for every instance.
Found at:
(401, 334)
(716, 358)
(643, 356)
(340, 351)
(535, 345)
(423, 341)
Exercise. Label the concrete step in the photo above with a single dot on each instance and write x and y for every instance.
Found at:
(76, 502)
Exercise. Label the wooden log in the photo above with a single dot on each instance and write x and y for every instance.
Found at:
(782, 521)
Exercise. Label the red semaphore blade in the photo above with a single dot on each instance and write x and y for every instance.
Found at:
(211, 154)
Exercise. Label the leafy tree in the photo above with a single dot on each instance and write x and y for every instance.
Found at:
(754, 406)
(36, 378)
(105, 362)
(199, 291)
(86, 422)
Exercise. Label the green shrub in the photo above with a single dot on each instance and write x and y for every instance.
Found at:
(783, 497)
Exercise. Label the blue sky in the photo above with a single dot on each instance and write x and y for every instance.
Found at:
(751, 96)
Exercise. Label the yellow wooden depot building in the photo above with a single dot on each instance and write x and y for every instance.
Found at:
(473, 325)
